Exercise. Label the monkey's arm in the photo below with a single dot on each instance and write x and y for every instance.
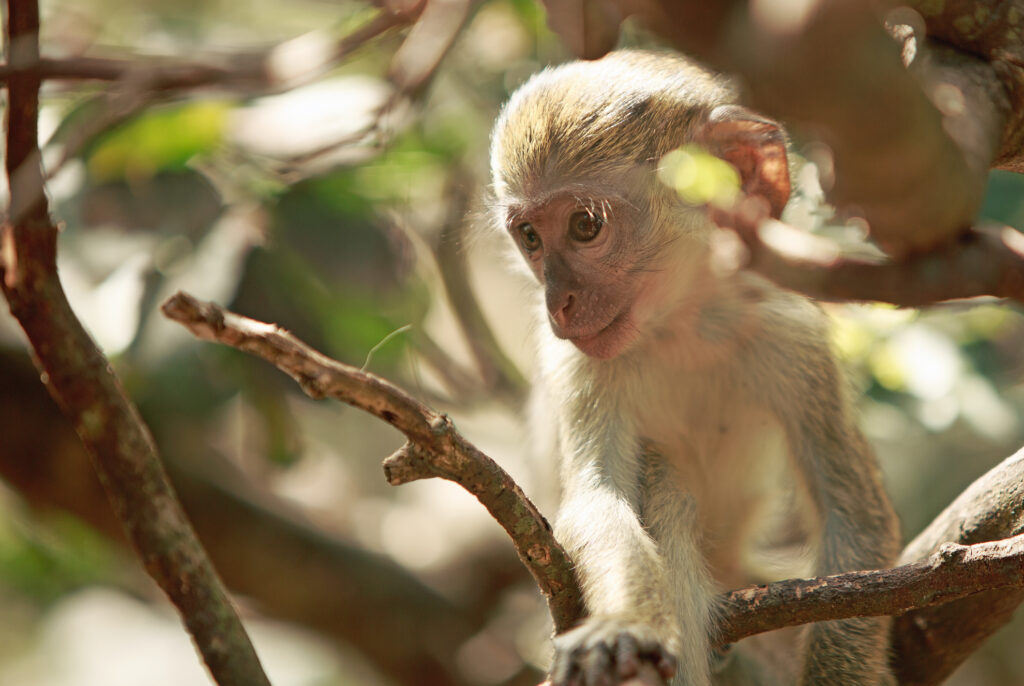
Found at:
(634, 607)
(859, 527)
(624, 585)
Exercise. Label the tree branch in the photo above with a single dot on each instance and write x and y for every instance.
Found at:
(954, 571)
(918, 173)
(928, 644)
(499, 372)
(80, 379)
(986, 261)
(991, 30)
(266, 69)
(434, 447)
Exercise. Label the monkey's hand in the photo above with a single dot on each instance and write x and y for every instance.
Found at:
(605, 651)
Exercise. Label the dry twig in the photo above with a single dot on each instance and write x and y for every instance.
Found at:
(434, 447)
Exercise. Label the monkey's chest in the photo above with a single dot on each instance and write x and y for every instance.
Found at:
(729, 457)
(723, 449)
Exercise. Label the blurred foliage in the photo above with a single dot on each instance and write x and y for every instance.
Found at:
(44, 563)
(164, 139)
(300, 209)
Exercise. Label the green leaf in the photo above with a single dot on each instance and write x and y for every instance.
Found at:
(159, 140)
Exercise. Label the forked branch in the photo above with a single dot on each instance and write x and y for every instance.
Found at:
(435, 448)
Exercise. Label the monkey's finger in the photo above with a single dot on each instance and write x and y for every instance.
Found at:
(572, 661)
(577, 677)
(598, 668)
(627, 656)
(667, 666)
(561, 669)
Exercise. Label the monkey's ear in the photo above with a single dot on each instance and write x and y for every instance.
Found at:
(756, 147)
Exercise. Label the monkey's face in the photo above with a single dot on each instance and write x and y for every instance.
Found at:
(584, 253)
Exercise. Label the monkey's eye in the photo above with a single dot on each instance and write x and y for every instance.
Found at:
(528, 237)
(584, 226)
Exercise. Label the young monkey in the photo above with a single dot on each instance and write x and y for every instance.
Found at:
(675, 384)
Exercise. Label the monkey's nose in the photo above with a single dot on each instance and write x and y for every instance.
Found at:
(562, 315)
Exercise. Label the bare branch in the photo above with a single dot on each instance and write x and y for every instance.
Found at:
(953, 572)
(246, 72)
(499, 372)
(435, 448)
(987, 261)
(82, 382)
(929, 644)
(429, 40)
(164, 73)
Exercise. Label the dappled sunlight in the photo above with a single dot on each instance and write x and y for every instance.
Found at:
(280, 161)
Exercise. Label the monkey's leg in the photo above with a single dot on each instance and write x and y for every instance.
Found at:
(859, 533)
(838, 466)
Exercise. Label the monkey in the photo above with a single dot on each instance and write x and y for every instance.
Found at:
(675, 383)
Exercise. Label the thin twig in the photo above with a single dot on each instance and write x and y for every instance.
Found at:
(244, 71)
(497, 369)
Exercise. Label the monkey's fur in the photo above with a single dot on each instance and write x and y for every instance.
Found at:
(678, 387)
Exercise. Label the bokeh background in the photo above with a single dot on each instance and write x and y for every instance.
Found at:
(351, 209)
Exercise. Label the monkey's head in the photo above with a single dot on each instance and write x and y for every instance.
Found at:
(574, 160)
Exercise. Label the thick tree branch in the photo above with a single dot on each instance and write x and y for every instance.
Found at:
(928, 644)
(994, 31)
(80, 379)
(986, 261)
(918, 172)
(434, 448)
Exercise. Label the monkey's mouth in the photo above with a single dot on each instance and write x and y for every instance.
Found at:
(605, 343)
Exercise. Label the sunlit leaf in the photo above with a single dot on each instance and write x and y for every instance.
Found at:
(698, 176)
